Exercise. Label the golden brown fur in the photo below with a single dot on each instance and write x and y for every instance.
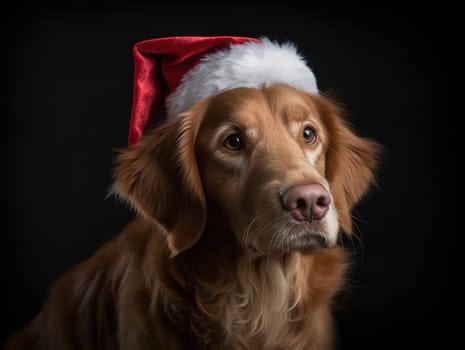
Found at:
(213, 261)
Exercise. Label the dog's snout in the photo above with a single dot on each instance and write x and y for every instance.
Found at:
(307, 202)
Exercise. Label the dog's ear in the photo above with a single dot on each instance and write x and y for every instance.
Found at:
(351, 162)
(159, 177)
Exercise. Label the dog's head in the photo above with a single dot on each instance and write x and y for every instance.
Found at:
(280, 168)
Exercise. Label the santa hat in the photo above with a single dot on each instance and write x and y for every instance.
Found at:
(172, 74)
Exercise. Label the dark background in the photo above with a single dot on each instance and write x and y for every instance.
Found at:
(68, 76)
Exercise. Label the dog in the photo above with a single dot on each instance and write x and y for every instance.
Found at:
(241, 202)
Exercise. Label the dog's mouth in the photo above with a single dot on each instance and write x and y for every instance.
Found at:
(305, 240)
(282, 235)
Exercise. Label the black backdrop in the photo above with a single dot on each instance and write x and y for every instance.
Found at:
(68, 92)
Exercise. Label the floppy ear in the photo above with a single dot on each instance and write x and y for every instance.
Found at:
(159, 177)
(351, 162)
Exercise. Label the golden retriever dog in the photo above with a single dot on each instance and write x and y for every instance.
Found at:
(241, 199)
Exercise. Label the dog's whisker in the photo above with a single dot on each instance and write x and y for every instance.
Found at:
(355, 215)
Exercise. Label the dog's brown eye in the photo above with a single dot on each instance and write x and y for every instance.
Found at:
(233, 142)
(309, 135)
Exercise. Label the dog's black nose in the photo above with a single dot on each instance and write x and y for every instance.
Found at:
(307, 202)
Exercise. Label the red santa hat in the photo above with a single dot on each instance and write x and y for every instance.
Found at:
(172, 74)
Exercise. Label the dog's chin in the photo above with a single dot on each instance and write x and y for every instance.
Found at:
(304, 241)
(307, 241)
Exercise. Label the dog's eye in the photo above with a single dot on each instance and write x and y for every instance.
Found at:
(233, 142)
(309, 135)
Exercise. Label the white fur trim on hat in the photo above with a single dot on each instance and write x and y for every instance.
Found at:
(252, 64)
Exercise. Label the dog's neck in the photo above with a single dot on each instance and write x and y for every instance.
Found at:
(232, 296)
